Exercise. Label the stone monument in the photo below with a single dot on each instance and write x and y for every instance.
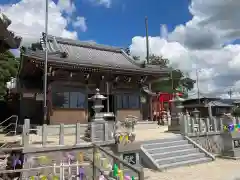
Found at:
(231, 137)
(98, 128)
(176, 110)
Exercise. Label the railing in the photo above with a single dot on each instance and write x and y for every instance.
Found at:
(91, 167)
(195, 126)
(46, 139)
(2, 128)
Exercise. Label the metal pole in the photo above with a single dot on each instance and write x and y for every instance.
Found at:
(198, 92)
(45, 65)
(108, 100)
(147, 42)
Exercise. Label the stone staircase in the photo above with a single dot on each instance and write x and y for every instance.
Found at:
(173, 152)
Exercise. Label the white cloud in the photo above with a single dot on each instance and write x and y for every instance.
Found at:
(81, 23)
(67, 6)
(199, 44)
(106, 3)
(28, 18)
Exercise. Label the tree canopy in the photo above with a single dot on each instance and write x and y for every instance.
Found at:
(177, 82)
(8, 69)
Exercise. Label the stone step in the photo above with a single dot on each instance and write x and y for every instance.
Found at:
(165, 144)
(174, 159)
(175, 138)
(185, 163)
(175, 153)
(169, 149)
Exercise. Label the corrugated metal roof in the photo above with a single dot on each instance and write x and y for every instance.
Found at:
(93, 54)
(218, 104)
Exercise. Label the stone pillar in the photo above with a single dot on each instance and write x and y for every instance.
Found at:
(231, 138)
(176, 112)
(197, 120)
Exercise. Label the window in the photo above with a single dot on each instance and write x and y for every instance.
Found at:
(125, 102)
(128, 101)
(60, 99)
(68, 99)
(134, 101)
(77, 100)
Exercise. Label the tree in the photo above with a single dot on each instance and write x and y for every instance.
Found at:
(8, 69)
(177, 81)
(236, 112)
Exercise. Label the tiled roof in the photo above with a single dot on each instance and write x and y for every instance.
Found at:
(84, 53)
(9, 37)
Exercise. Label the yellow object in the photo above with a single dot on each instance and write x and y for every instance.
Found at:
(32, 178)
(120, 174)
(43, 159)
(126, 137)
(43, 177)
(80, 157)
(120, 138)
(55, 178)
(105, 164)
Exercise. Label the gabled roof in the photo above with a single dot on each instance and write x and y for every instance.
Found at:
(7, 36)
(91, 54)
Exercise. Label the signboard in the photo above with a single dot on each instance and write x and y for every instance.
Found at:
(131, 158)
(236, 143)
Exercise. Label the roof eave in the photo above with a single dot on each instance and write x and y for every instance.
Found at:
(56, 61)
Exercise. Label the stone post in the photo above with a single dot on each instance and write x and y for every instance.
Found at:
(197, 119)
(176, 110)
(231, 138)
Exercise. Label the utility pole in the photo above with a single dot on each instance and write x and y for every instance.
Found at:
(230, 92)
(45, 66)
(198, 92)
(147, 42)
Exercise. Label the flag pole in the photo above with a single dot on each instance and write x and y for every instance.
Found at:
(45, 65)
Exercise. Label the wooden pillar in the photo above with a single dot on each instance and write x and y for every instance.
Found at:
(150, 103)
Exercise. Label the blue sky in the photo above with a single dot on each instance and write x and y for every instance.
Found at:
(124, 20)
(118, 24)
(202, 34)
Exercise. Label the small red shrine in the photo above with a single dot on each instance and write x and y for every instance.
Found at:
(161, 100)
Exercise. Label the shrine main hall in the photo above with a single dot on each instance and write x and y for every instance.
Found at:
(75, 70)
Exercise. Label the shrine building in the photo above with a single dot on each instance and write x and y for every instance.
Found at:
(75, 70)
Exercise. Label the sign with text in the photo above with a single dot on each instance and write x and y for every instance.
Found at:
(236, 143)
(131, 158)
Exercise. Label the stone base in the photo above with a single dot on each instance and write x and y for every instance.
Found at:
(232, 153)
(174, 128)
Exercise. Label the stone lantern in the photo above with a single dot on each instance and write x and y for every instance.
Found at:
(96, 128)
(176, 111)
(98, 106)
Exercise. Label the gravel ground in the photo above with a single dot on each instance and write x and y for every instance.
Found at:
(221, 169)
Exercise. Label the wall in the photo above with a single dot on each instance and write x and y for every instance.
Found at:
(123, 113)
(68, 116)
(213, 143)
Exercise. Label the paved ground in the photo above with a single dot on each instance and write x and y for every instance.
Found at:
(220, 169)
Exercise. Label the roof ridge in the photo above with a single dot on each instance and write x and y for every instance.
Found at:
(84, 44)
